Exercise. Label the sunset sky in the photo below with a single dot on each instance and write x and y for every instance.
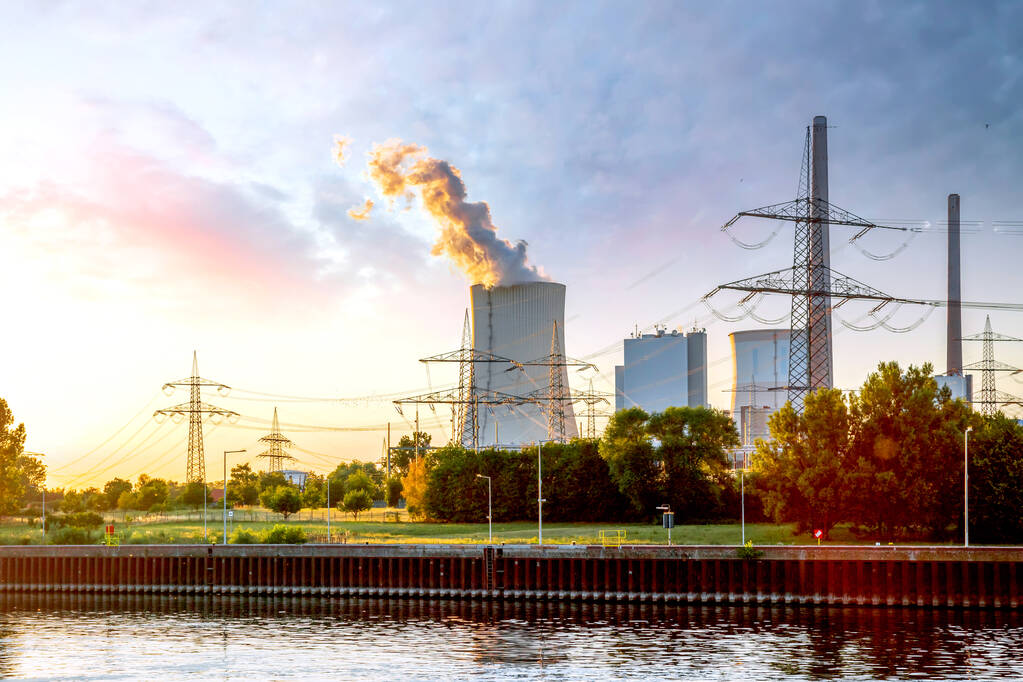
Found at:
(168, 182)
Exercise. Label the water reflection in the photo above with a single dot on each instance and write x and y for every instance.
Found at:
(139, 636)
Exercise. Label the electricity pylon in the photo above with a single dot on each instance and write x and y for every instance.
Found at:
(810, 281)
(195, 409)
(990, 396)
(591, 399)
(276, 442)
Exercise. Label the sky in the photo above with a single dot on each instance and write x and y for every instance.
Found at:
(168, 183)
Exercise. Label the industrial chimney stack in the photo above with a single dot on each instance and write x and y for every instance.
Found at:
(954, 347)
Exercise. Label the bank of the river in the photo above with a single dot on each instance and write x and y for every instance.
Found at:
(191, 531)
(975, 577)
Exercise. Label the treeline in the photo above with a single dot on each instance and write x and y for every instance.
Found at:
(889, 460)
(678, 457)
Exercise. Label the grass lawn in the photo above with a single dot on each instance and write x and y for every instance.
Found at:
(510, 533)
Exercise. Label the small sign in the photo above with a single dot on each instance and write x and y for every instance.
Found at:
(230, 514)
(818, 533)
(110, 529)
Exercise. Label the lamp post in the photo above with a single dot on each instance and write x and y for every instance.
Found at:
(328, 492)
(539, 490)
(667, 519)
(490, 508)
(226, 453)
(966, 486)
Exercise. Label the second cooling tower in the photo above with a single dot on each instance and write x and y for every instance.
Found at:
(516, 322)
(760, 365)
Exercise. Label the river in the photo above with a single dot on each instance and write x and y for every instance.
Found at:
(109, 637)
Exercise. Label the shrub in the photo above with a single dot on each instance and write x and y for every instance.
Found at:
(73, 536)
(394, 488)
(85, 520)
(281, 534)
(243, 536)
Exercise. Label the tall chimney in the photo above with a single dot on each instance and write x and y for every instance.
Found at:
(954, 343)
(821, 368)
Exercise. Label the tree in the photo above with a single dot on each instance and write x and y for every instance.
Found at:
(284, 499)
(151, 492)
(112, 491)
(394, 489)
(315, 495)
(906, 467)
(359, 481)
(629, 453)
(802, 473)
(996, 481)
(692, 449)
(356, 501)
(405, 453)
(12, 445)
(268, 480)
(195, 494)
(415, 485)
(33, 473)
(244, 486)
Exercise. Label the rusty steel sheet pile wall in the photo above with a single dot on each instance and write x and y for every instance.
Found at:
(983, 577)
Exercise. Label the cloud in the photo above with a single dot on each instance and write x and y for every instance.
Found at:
(361, 213)
(340, 142)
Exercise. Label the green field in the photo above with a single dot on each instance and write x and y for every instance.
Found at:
(510, 533)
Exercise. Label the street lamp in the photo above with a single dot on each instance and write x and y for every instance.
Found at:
(226, 453)
(490, 508)
(966, 486)
(539, 489)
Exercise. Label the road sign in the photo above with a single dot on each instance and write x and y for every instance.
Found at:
(230, 514)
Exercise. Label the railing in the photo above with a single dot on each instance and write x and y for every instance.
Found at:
(611, 538)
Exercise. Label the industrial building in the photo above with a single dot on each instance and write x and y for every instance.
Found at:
(518, 322)
(661, 370)
(760, 375)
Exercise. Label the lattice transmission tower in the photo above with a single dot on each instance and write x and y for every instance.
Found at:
(811, 282)
(990, 397)
(276, 442)
(195, 410)
(591, 398)
(552, 398)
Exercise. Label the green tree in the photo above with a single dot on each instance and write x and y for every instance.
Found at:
(195, 494)
(269, 480)
(33, 473)
(692, 448)
(243, 488)
(284, 499)
(394, 488)
(359, 480)
(627, 448)
(112, 491)
(996, 481)
(151, 492)
(906, 468)
(12, 445)
(315, 494)
(356, 501)
(802, 473)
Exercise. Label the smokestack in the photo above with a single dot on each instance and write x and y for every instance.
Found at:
(954, 343)
(820, 363)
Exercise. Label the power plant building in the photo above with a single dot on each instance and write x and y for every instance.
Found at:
(517, 322)
(663, 370)
(760, 375)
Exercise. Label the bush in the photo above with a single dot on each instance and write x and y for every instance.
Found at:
(243, 536)
(85, 520)
(73, 536)
(394, 489)
(285, 535)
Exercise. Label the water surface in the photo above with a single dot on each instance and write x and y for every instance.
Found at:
(93, 637)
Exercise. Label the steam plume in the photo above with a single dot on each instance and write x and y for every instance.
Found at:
(361, 213)
(467, 235)
(340, 142)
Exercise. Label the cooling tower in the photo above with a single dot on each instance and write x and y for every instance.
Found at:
(760, 363)
(516, 322)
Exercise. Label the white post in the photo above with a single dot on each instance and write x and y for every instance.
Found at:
(490, 510)
(966, 486)
(226, 453)
(328, 494)
(539, 492)
(205, 534)
(44, 513)
(742, 489)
